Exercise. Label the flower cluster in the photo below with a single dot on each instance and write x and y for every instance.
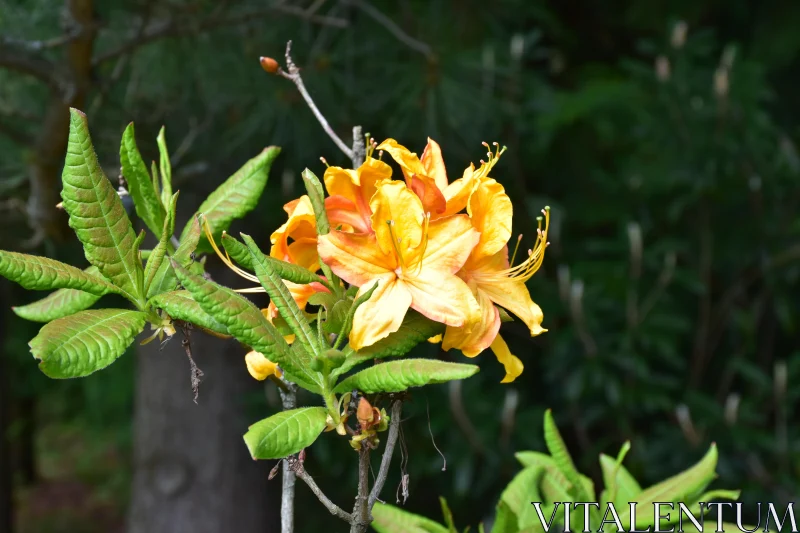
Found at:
(429, 244)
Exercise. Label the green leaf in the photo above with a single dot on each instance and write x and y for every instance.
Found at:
(188, 243)
(166, 167)
(448, 515)
(165, 278)
(505, 521)
(156, 259)
(245, 322)
(397, 376)
(294, 273)
(317, 197)
(415, 329)
(97, 215)
(391, 519)
(60, 303)
(621, 487)
(238, 195)
(687, 485)
(520, 492)
(553, 485)
(80, 344)
(279, 294)
(350, 309)
(41, 273)
(563, 460)
(145, 199)
(180, 305)
(285, 433)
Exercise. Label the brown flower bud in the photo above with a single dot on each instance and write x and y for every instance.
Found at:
(364, 413)
(269, 65)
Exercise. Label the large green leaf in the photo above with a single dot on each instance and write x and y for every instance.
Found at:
(60, 303)
(80, 344)
(282, 298)
(246, 323)
(165, 278)
(397, 376)
(145, 199)
(505, 521)
(238, 195)
(553, 485)
(682, 487)
(415, 329)
(97, 215)
(180, 305)
(285, 433)
(620, 486)
(41, 273)
(294, 273)
(391, 519)
(563, 460)
(521, 493)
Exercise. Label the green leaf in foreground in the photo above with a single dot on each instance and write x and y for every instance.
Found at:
(397, 376)
(42, 273)
(80, 344)
(180, 305)
(166, 167)
(563, 460)
(238, 195)
(415, 329)
(97, 215)
(145, 199)
(285, 433)
(294, 273)
(391, 519)
(60, 303)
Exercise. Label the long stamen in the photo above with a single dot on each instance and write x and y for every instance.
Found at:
(525, 270)
(395, 244)
(227, 260)
(492, 158)
(514, 255)
(425, 225)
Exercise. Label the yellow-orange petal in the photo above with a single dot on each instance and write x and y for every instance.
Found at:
(407, 160)
(491, 211)
(301, 224)
(429, 194)
(436, 339)
(355, 257)
(456, 194)
(442, 297)
(472, 339)
(511, 362)
(260, 367)
(394, 202)
(450, 241)
(382, 314)
(433, 163)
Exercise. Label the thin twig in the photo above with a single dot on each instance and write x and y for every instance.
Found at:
(196, 373)
(362, 517)
(334, 509)
(288, 392)
(386, 460)
(393, 28)
(293, 75)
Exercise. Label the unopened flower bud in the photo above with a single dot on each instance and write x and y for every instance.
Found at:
(364, 413)
(269, 65)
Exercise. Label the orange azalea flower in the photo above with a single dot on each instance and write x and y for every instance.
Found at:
(427, 177)
(350, 192)
(296, 241)
(412, 259)
(493, 281)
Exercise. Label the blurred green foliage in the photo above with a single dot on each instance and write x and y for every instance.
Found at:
(669, 287)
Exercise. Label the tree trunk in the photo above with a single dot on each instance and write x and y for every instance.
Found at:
(6, 477)
(192, 471)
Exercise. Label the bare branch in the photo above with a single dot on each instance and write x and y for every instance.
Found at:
(175, 27)
(334, 509)
(393, 28)
(26, 63)
(293, 75)
(288, 393)
(386, 460)
(362, 517)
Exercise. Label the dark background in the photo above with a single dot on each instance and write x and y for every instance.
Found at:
(669, 288)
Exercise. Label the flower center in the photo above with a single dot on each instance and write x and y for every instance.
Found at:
(405, 268)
